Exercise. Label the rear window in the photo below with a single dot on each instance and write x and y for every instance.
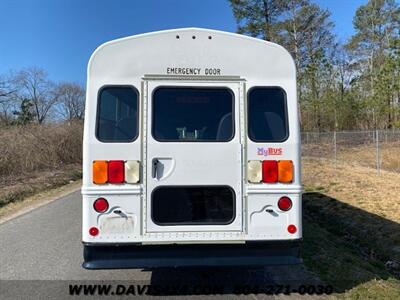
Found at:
(193, 114)
(197, 205)
(117, 115)
(267, 115)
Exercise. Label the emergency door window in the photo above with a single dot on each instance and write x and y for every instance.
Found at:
(196, 205)
(117, 115)
(184, 114)
(267, 115)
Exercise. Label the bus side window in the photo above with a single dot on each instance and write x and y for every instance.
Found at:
(267, 114)
(117, 114)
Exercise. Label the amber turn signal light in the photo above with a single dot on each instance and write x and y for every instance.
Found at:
(100, 171)
(285, 171)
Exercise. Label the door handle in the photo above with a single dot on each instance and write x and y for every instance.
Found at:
(154, 167)
(162, 167)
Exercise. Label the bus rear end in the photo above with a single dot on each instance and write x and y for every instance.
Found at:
(191, 152)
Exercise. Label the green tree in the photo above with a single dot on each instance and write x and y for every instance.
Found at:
(317, 44)
(387, 91)
(373, 49)
(25, 115)
(258, 18)
(339, 87)
(305, 30)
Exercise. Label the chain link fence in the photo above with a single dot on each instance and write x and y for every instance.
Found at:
(378, 149)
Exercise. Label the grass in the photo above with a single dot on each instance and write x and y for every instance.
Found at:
(31, 148)
(43, 197)
(351, 229)
(359, 155)
(35, 158)
(365, 155)
(17, 188)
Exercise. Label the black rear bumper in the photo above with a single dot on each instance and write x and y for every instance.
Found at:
(177, 255)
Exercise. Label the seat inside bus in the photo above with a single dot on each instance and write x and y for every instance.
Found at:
(224, 131)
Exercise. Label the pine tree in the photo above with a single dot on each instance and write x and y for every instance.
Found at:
(258, 18)
(377, 26)
(305, 30)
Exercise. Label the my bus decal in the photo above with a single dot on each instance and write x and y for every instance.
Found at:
(269, 151)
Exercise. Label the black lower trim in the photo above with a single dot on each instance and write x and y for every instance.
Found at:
(178, 255)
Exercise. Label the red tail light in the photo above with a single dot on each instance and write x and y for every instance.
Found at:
(116, 171)
(285, 203)
(100, 205)
(270, 171)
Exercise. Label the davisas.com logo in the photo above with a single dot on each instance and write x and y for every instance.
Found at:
(269, 151)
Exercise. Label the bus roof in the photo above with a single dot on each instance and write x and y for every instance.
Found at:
(190, 51)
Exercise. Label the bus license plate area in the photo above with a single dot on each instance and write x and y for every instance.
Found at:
(117, 222)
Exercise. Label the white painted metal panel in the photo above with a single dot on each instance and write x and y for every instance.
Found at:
(194, 163)
(144, 62)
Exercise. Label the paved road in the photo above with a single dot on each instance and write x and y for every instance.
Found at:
(43, 248)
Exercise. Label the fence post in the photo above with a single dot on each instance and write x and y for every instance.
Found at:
(334, 149)
(378, 164)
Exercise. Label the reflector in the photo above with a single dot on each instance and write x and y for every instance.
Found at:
(100, 175)
(254, 171)
(116, 171)
(284, 203)
(93, 231)
(132, 171)
(270, 171)
(100, 205)
(285, 171)
(291, 229)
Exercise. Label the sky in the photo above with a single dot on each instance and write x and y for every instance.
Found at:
(60, 35)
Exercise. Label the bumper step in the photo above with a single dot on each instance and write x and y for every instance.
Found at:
(154, 256)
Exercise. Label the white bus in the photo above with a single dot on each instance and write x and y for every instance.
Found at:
(191, 152)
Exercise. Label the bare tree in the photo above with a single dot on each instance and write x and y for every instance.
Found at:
(7, 103)
(34, 85)
(71, 97)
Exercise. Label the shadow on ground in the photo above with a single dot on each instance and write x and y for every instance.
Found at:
(232, 280)
(347, 246)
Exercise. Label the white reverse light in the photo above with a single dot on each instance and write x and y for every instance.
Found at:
(254, 171)
(132, 171)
